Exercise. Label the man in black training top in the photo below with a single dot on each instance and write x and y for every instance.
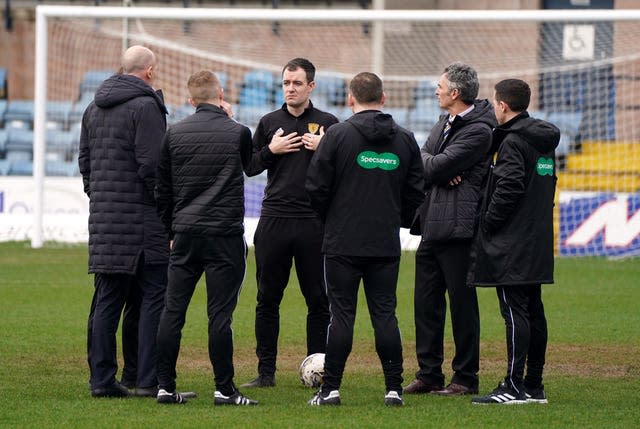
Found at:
(288, 229)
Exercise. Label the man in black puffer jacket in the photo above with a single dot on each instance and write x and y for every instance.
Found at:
(128, 248)
(455, 159)
(200, 194)
(513, 250)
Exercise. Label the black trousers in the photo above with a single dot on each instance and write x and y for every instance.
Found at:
(441, 268)
(526, 332)
(110, 294)
(379, 277)
(223, 261)
(279, 242)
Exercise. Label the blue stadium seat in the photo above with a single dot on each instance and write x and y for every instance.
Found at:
(400, 115)
(250, 115)
(330, 88)
(3, 142)
(60, 144)
(75, 115)
(61, 168)
(21, 167)
(569, 124)
(5, 166)
(93, 79)
(19, 144)
(424, 115)
(257, 88)
(58, 113)
(3, 108)
(3, 82)
(19, 113)
(425, 89)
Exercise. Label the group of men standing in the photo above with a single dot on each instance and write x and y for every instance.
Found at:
(168, 206)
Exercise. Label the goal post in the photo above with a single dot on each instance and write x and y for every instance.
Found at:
(582, 66)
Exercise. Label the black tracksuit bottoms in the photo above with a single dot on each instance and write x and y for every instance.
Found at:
(379, 278)
(526, 331)
(223, 261)
(278, 243)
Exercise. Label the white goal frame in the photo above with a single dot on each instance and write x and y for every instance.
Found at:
(376, 16)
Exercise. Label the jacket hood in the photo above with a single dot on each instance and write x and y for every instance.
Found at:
(542, 135)
(375, 126)
(482, 112)
(120, 88)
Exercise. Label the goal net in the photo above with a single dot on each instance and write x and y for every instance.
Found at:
(583, 67)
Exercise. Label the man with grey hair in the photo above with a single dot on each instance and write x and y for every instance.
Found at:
(455, 158)
(120, 140)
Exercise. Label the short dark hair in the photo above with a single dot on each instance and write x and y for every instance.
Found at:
(304, 64)
(366, 88)
(515, 93)
(464, 78)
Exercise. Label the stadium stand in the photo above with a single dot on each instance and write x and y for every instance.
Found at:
(569, 124)
(92, 80)
(3, 82)
(21, 167)
(58, 113)
(19, 144)
(19, 113)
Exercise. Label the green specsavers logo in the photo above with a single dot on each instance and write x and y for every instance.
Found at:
(383, 161)
(544, 166)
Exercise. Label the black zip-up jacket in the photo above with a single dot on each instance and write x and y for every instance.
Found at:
(121, 134)
(514, 242)
(284, 195)
(200, 181)
(448, 212)
(364, 179)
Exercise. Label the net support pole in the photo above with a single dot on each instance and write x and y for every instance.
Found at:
(377, 42)
(40, 98)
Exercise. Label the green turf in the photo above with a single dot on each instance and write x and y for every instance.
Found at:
(592, 378)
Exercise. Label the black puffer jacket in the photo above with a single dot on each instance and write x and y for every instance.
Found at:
(448, 212)
(122, 130)
(200, 185)
(514, 244)
(365, 177)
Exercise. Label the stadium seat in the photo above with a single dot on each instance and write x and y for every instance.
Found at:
(19, 113)
(60, 144)
(250, 115)
(61, 168)
(3, 142)
(425, 90)
(93, 79)
(3, 108)
(75, 115)
(5, 166)
(424, 115)
(330, 88)
(257, 88)
(21, 167)
(400, 115)
(569, 124)
(58, 113)
(3, 82)
(19, 144)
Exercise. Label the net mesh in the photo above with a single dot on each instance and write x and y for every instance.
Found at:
(585, 78)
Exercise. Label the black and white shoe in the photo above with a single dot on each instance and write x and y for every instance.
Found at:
(393, 399)
(165, 397)
(333, 398)
(236, 399)
(502, 394)
(536, 395)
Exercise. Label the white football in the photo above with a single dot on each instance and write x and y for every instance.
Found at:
(312, 370)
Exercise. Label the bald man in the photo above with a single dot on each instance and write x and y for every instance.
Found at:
(122, 130)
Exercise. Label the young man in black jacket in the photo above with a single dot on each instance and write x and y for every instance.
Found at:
(455, 158)
(288, 230)
(363, 181)
(200, 197)
(513, 249)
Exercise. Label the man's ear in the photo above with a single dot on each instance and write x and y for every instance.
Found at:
(192, 102)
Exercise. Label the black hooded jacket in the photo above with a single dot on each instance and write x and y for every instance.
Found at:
(448, 213)
(514, 242)
(363, 181)
(122, 130)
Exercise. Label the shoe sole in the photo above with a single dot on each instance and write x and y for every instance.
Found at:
(501, 403)
(537, 401)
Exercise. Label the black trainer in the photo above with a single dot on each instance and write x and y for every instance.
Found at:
(333, 398)
(261, 381)
(393, 398)
(165, 397)
(115, 390)
(536, 395)
(502, 394)
(236, 399)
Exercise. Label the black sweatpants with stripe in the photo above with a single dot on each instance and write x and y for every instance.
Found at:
(278, 243)
(379, 278)
(526, 331)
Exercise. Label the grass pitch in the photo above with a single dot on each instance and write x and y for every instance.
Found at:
(592, 376)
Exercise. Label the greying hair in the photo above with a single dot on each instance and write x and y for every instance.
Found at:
(465, 79)
(137, 58)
